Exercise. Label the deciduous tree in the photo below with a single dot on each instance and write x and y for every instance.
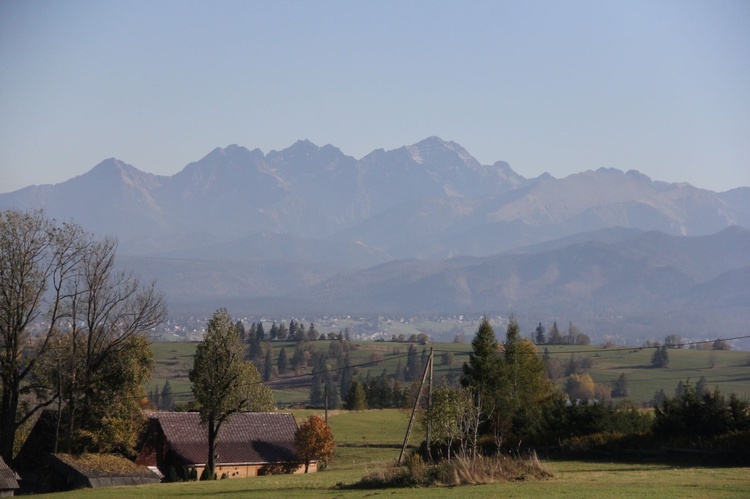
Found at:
(314, 440)
(223, 382)
(92, 353)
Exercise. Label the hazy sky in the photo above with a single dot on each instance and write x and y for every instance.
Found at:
(662, 87)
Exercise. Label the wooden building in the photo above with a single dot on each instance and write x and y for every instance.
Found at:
(248, 444)
(70, 472)
(8, 480)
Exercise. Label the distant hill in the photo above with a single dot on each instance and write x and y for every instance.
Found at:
(422, 228)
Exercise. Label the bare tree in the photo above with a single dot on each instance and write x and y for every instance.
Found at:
(37, 257)
(92, 348)
(111, 311)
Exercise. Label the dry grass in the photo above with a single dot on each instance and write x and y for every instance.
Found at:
(459, 471)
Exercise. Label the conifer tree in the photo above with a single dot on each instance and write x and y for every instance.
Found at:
(483, 368)
(166, 401)
(539, 337)
(555, 338)
(282, 361)
(412, 364)
(268, 364)
(356, 400)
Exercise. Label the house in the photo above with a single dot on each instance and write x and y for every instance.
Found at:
(248, 444)
(8, 480)
(71, 472)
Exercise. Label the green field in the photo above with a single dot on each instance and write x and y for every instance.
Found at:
(352, 430)
(727, 370)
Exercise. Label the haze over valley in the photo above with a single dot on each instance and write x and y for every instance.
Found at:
(423, 229)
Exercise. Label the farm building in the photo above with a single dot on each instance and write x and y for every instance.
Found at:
(8, 480)
(43, 469)
(71, 472)
(248, 444)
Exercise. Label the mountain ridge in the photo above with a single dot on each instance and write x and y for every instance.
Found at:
(448, 231)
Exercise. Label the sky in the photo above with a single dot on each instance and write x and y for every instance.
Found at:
(659, 86)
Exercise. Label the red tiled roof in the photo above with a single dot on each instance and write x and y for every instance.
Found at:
(246, 437)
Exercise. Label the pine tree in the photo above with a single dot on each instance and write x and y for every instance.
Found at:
(539, 337)
(312, 333)
(346, 376)
(555, 338)
(317, 395)
(282, 361)
(412, 364)
(268, 364)
(298, 360)
(283, 332)
(167, 399)
(660, 357)
(483, 368)
(301, 334)
(356, 399)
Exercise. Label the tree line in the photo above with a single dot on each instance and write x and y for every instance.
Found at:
(574, 335)
(505, 397)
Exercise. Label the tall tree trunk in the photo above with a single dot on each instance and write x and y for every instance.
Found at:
(211, 463)
(8, 421)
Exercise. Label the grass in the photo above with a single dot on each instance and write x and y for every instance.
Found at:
(575, 479)
(728, 370)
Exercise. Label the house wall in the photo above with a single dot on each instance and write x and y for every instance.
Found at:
(250, 470)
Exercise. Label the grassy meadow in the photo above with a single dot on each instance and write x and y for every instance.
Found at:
(352, 430)
(728, 370)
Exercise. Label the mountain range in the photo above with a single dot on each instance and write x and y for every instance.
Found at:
(422, 229)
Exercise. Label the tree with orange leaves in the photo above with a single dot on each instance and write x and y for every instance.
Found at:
(314, 440)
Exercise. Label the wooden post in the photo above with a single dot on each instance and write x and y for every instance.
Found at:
(413, 412)
(429, 406)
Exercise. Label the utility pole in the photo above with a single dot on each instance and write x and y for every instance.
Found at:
(429, 406)
(414, 409)
(325, 396)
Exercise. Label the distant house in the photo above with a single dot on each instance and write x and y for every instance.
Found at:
(8, 480)
(71, 472)
(249, 444)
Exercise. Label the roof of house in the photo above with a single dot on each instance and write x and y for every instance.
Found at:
(104, 470)
(246, 437)
(8, 478)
